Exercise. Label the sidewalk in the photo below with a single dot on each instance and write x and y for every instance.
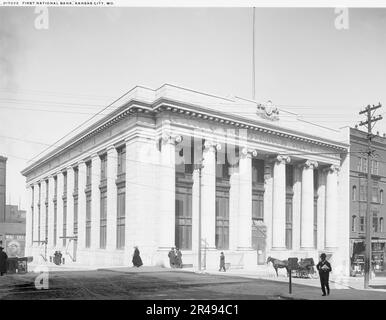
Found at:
(337, 284)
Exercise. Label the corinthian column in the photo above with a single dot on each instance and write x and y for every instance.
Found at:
(307, 206)
(209, 194)
(95, 201)
(112, 162)
(81, 242)
(331, 206)
(168, 191)
(245, 198)
(279, 200)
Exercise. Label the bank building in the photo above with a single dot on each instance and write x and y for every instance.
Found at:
(169, 164)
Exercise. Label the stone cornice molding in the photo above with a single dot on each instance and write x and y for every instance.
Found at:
(188, 109)
(246, 152)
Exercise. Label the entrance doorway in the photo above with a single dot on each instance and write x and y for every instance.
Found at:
(259, 236)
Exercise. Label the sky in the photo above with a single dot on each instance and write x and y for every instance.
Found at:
(52, 80)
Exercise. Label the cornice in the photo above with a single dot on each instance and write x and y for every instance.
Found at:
(135, 107)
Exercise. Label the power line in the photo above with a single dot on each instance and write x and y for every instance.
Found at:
(77, 127)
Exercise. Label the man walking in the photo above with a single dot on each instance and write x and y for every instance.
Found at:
(222, 262)
(3, 261)
(324, 268)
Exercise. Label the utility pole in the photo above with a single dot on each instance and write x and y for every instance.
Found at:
(370, 119)
(253, 56)
(199, 216)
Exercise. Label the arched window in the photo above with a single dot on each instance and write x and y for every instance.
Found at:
(353, 223)
(381, 224)
(354, 193)
(381, 196)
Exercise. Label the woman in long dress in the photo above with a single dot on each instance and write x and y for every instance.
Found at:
(137, 261)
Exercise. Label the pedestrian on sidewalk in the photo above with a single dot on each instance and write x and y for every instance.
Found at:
(324, 268)
(172, 258)
(137, 261)
(178, 258)
(222, 262)
(3, 261)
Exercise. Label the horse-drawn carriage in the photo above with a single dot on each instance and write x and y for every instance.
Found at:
(303, 269)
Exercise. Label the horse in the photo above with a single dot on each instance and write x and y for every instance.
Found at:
(276, 263)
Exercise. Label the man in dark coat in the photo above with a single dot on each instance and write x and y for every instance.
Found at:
(178, 258)
(222, 262)
(324, 268)
(3, 261)
(137, 261)
(172, 258)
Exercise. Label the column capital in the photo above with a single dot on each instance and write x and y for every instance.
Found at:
(282, 159)
(246, 152)
(212, 145)
(170, 138)
(310, 164)
(81, 162)
(332, 169)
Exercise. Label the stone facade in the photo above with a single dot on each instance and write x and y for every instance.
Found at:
(270, 184)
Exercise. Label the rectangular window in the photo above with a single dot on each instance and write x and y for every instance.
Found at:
(64, 221)
(103, 167)
(121, 160)
(88, 219)
(375, 222)
(353, 223)
(222, 220)
(363, 193)
(76, 179)
(376, 167)
(103, 219)
(359, 167)
(55, 221)
(289, 221)
(258, 206)
(56, 185)
(362, 224)
(88, 173)
(375, 194)
(64, 183)
(289, 175)
(257, 171)
(183, 227)
(121, 217)
(365, 165)
(75, 215)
